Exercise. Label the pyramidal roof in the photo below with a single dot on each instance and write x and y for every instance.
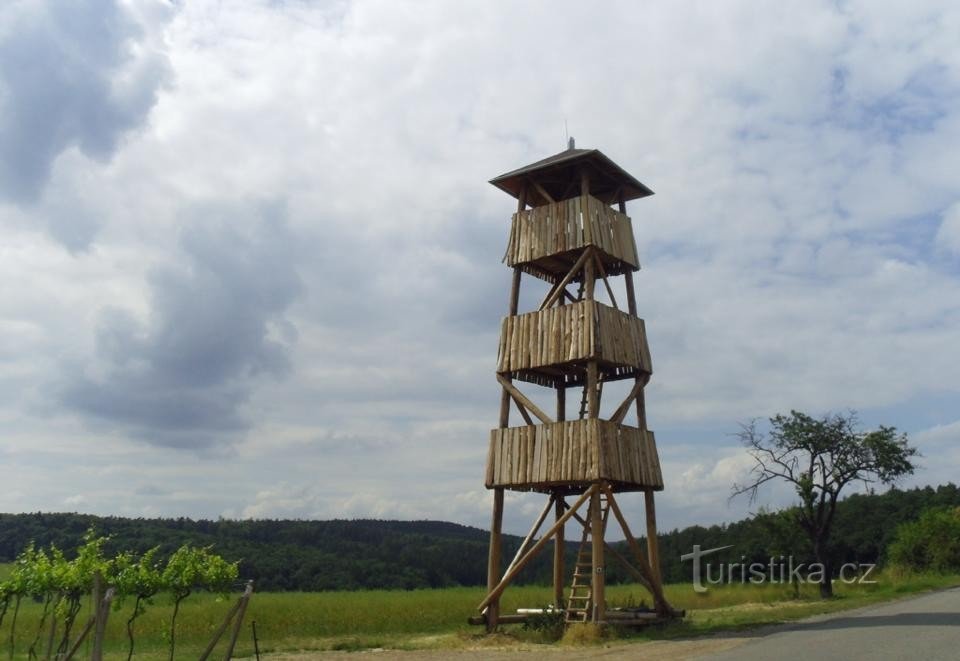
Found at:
(559, 176)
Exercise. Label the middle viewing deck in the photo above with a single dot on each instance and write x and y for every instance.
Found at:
(541, 347)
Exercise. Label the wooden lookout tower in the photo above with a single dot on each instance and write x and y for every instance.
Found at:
(571, 230)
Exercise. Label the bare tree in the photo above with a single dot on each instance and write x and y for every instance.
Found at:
(819, 457)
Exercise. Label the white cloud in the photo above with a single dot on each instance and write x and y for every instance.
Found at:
(948, 235)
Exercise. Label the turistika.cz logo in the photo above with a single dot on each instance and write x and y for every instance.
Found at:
(780, 569)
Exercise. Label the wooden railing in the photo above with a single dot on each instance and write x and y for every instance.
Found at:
(559, 227)
(570, 452)
(575, 332)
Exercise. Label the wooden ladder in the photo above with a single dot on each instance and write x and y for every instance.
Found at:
(583, 399)
(580, 602)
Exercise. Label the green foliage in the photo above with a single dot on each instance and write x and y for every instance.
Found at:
(931, 543)
(549, 623)
(60, 584)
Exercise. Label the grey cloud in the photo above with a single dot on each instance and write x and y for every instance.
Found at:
(216, 324)
(69, 75)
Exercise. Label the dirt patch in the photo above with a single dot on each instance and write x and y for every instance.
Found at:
(659, 650)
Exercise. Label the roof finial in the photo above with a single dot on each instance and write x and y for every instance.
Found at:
(570, 143)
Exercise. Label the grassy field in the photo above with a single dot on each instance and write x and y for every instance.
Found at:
(436, 618)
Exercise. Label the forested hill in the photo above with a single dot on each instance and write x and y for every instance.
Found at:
(344, 555)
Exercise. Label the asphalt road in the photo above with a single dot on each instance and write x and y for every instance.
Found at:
(925, 628)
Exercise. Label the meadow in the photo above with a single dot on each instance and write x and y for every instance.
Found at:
(436, 618)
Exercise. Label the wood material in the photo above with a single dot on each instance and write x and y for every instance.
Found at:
(530, 535)
(653, 548)
(558, 553)
(558, 228)
(523, 400)
(574, 452)
(493, 559)
(495, 593)
(578, 332)
(558, 289)
(244, 602)
(599, 569)
(656, 589)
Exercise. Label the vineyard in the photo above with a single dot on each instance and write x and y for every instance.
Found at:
(45, 581)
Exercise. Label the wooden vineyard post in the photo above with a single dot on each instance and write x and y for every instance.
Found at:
(570, 229)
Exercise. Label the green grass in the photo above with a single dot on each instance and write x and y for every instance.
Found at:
(437, 618)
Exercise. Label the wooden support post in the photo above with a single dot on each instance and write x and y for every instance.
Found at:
(599, 579)
(244, 601)
(514, 303)
(494, 594)
(653, 549)
(95, 605)
(589, 276)
(493, 561)
(559, 582)
(631, 295)
(220, 630)
(593, 396)
(100, 628)
(561, 402)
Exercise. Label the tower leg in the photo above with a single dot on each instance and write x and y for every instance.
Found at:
(653, 549)
(558, 561)
(599, 579)
(493, 562)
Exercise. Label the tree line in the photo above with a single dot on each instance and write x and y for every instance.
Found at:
(283, 555)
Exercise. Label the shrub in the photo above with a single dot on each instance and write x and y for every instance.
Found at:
(931, 543)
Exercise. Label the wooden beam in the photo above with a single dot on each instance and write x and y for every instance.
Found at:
(523, 413)
(606, 283)
(655, 587)
(560, 286)
(540, 189)
(520, 397)
(530, 535)
(495, 593)
(621, 412)
(493, 559)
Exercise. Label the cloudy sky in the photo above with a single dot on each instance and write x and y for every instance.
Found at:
(250, 264)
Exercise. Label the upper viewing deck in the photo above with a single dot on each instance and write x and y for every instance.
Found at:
(545, 241)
